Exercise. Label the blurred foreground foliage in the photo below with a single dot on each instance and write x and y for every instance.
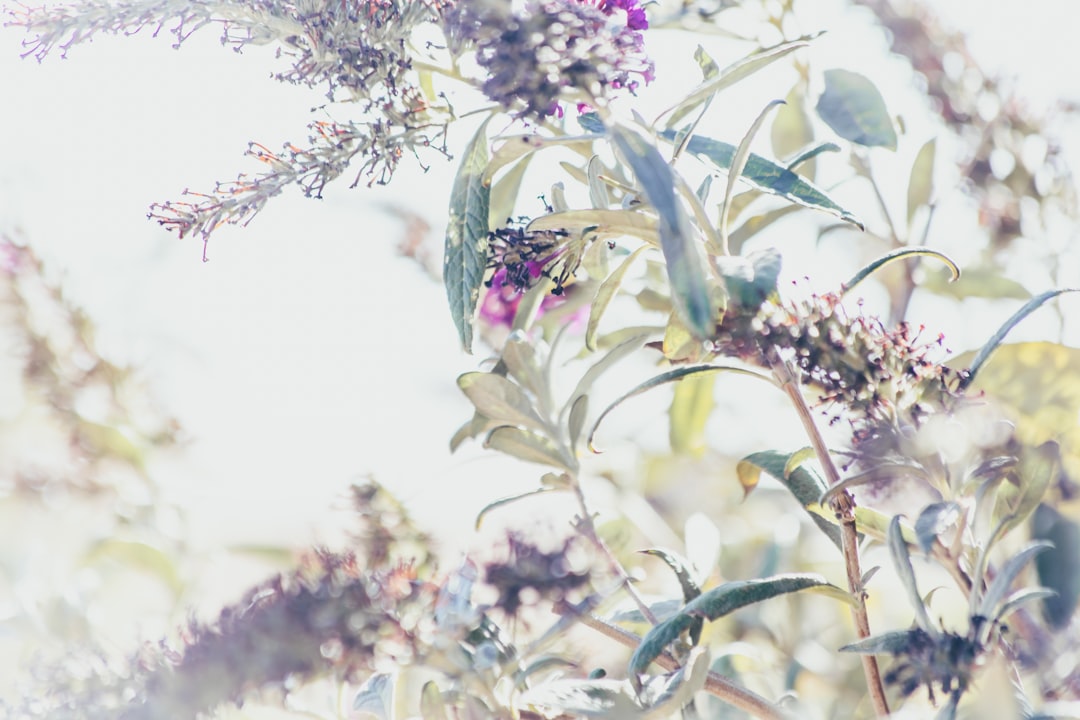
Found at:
(761, 536)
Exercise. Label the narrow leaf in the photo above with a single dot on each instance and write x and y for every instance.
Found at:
(530, 447)
(921, 183)
(467, 236)
(738, 164)
(1058, 567)
(575, 422)
(803, 482)
(1005, 577)
(1022, 597)
(796, 459)
(890, 642)
(499, 399)
(686, 275)
(897, 255)
(934, 520)
(729, 76)
(1029, 307)
(496, 504)
(714, 604)
(606, 293)
(504, 193)
(690, 409)
(681, 567)
(627, 347)
(673, 376)
(609, 222)
(764, 175)
(902, 560)
(598, 192)
(810, 153)
(852, 106)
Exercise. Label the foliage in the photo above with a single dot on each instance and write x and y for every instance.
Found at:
(630, 261)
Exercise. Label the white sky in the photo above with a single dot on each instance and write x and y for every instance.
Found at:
(305, 354)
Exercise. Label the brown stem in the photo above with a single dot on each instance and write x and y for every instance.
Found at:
(715, 684)
(843, 504)
(586, 526)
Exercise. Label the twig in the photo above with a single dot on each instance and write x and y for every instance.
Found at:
(843, 504)
(586, 526)
(715, 684)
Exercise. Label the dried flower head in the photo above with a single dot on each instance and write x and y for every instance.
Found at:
(878, 378)
(947, 661)
(548, 51)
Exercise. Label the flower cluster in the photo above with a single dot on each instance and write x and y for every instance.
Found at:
(555, 50)
(921, 660)
(518, 258)
(882, 378)
(528, 568)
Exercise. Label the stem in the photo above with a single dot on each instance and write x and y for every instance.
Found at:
(843, 504)
(586, 526)
(715, 684)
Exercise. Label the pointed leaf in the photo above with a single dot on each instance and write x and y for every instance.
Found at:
(1037, 469)
(852, 106)
(934, 520)
(796, 459)
(603, 222)
(507, 501)
(890, 642)
(897, 255)
(756, 224)
(1022, 597)
(432, 705)
(606, 293)
(902, 561)
(750, 279)
(625, 348)
(575, 423)
(738, 164)
(810, 153)
(689, 412)
(803, 482)
(713, 604)
(791, 129)
(764, 175)
(730, 75)
(1029, 307)
(673, 376)
(499, 399)
(1058, 567)
(686, 275)
(921, 184)
(504, 193)
(467, 236)
(1008, 573)
(530, 447)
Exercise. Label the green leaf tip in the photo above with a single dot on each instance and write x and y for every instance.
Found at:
(466, 247)
(852, 106)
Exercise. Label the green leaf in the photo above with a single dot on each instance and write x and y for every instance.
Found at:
(1005, 577)
(631, 344)
(467, 236)
(810, 153)
(738, 164)
(713, 604)
(1029, 307)
(686, 275)
(935, 519)
(690, 589)
(898, 254)
(976, 282)
(892, 643)
(582, 698)
(496, 504)
(921, 183)
(689, 412)
(852, 106)
(902, 561)
(432, 704)
(576, 419)
(730, 75)
(756, 224)
(1058, 567)
(673, 376)
(602, 222)
(504, 193)
(139, 556)
(764, 175)
(530, 447)
(515, 147)
(791, 129)
(803, 482)
(606, 293)
(750, 279)
(1038, 468)
(499, 399)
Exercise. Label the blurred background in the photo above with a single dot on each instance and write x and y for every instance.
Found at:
(236, 401)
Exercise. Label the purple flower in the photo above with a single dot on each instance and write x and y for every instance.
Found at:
(554, 51)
